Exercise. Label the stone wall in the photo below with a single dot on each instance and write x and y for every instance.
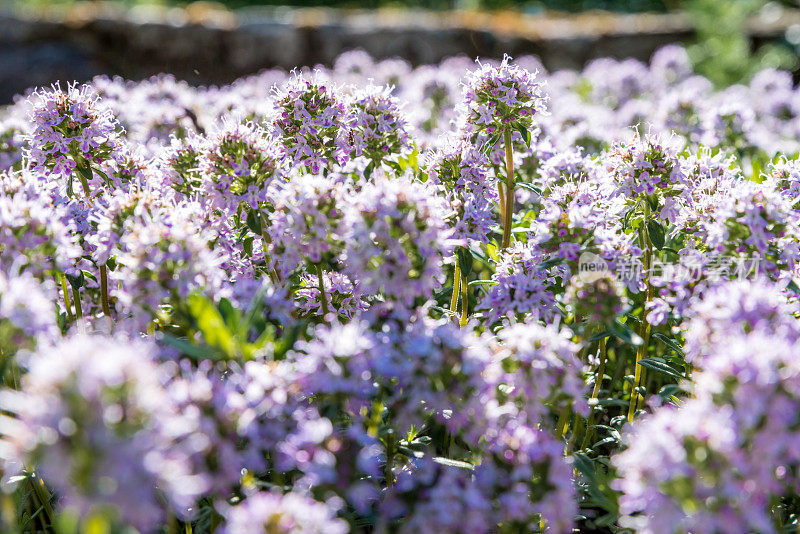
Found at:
(206, 45)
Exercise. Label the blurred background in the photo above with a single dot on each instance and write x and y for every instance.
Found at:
(216, 42)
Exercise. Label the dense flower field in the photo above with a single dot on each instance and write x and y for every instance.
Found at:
(455, 298)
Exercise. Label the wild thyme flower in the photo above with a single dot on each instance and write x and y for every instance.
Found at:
(71, 131)
(306, 222)
(644, 166)
(396, 237)
(462, 173)
(376, 126)
(290, 513)
(344, 297)
(238, 163)
(86, 416)
(310, 123)
(506, 96)
(522, 286)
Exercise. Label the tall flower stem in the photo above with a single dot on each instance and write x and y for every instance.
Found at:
(104, 290)
(323, 298)
(464, 301)
(501, 193)
(67, 302)
(598, 383)
(456, 282)
(642, 350)
(76, 296)
(508, 216)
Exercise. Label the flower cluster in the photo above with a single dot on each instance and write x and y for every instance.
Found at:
(462, 172)
(501, 97)
(310, 121)
(72, 131)
(246, 322)
(376, 127)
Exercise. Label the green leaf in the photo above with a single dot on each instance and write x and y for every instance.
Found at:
(453, 463)
(464, 260)
(75, 280)
(444, 311)
(552, 262)
(585, 465)
(793, 287)
(656, 233)
(189, 349)
(254, 221)
(85, 172)
(369, 169)
(670, 390)
(530, 187)
(661, 367)
(600, 335)
(492, 142)
(669, 342)
(211, 324)
(526, 135)
(229, 314)
(624, 333)
(247, 245)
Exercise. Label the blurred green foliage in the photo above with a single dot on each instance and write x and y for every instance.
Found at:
(724, 51)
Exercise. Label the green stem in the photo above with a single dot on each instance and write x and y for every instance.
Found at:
(84, 169)
(642, 350)
(464, 301)
(323, 298)
(563, 421)
(456, 281)
(502, 196)
(576, 431)
(104, 290)
(42, 495)
(509, 211)
(387, 471)
(598, 382)
(67, 302)
(76, 296)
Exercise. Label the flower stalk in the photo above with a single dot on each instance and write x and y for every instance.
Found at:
(642, 350)
(508, 213)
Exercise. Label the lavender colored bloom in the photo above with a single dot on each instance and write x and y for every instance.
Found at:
(248, 420)
(72, 131)
(87, 416)
(396, 237)
(163, 257)
(376, 126)
(496, 98)
(27, 310)
(310, 123)
(462, 173)
(730, 450)
(33, 234)
(306, 222)
(238, 163)
(290, 513)
(343, 296)
(644, 166)
(522, 286)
